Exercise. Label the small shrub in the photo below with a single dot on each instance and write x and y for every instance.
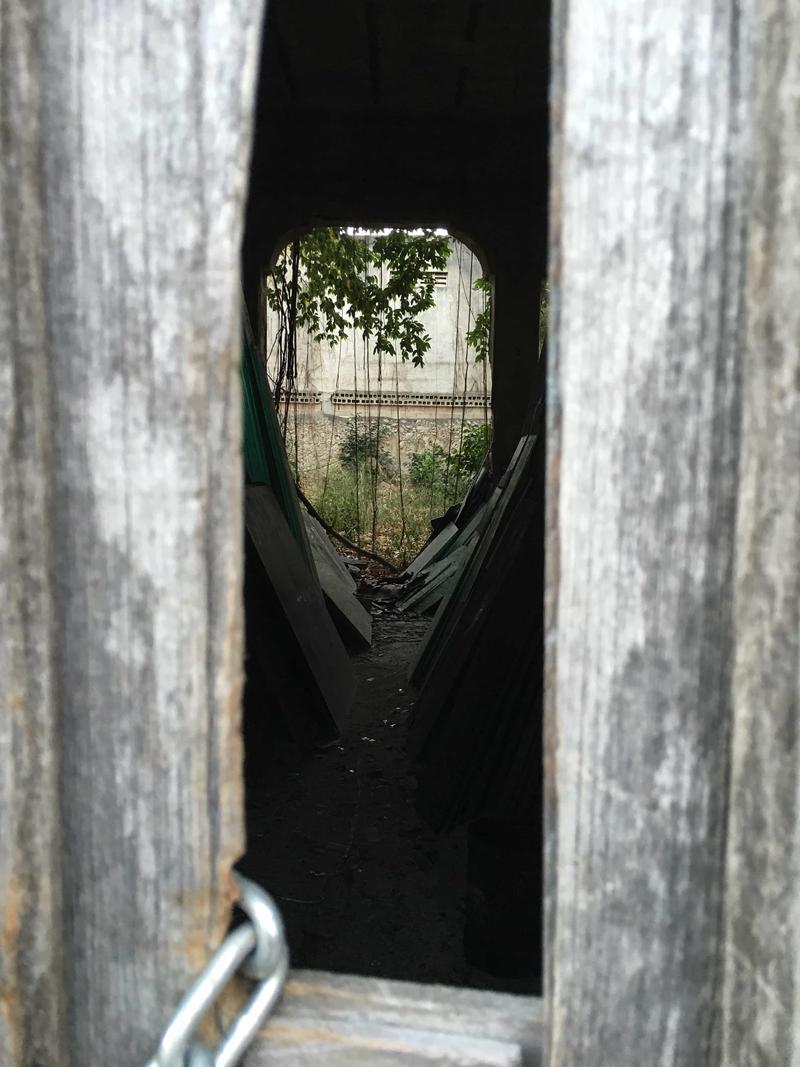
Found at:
(338, 500)
(474, 446)
(362, 444)
(430, 468)
(446, 474)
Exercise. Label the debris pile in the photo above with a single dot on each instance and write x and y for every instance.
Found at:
(430, 578)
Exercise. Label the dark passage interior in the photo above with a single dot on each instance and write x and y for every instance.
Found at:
(408, 842)
(364, 885)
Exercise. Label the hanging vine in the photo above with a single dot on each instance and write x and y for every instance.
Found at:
(331, 281)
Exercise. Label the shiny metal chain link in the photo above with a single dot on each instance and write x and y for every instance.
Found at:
(256, 949)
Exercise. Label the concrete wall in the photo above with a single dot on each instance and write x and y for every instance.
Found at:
(352, 364)
(313, 436)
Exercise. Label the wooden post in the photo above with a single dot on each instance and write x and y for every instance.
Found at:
(761, 1021)
(125, 145)
(647, 267)
(32, 1017)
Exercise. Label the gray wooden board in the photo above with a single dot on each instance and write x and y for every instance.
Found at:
(302, 602)
(474, 524)
(430, 598)
(432, 569)
(447, 622)
(477, 727)
(351, 618)
(432, 579)
(447, 616)
(761, 999)
(433, 550)
(651, 162)
(125, 137)
(478, 491)
(279, 681)
(322, 546)
(437, 580)
(418, 584)
(433, 634)
(32, 924)
(341, 1020)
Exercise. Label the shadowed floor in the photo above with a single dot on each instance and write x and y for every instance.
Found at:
(364, 886)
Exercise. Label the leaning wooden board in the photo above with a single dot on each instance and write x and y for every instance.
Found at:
(477, 728)
(300, 597)
(447, 650)
(450, 610)
(349, 615)
(434, 550)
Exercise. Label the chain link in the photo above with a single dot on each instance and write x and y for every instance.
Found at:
(256, 949)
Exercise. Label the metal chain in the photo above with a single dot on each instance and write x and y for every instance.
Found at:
(256, 949)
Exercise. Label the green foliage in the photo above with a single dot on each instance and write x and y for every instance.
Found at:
(363, 445)
(475, 444)
(544, 310)
(430, 468)
(339, 502)
(331, 281)
(478, 337)
(445, 473)
(392, 514)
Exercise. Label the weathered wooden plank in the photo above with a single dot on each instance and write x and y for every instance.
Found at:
(323, 544)
(761, 1018)
(133, 151)
(647, 277)
(434, 549)
(320, 667)
(351, 618)
(342, 1019)
(32, 1015)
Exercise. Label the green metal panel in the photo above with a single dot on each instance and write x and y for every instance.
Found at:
(264, 453)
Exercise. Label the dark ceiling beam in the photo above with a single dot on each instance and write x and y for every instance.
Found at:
(470, 36)
(483, 179)
(373, 51)
(276, 40)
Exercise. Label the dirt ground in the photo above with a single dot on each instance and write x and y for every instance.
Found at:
(363, 885)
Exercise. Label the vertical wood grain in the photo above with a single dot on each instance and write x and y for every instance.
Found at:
(647, 259)
(32, 1015)
(762, 979)
(125, 350)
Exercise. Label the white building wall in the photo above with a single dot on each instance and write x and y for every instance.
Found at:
(449, 370)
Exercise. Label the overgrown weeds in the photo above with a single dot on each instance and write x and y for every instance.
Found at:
(386, 509)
